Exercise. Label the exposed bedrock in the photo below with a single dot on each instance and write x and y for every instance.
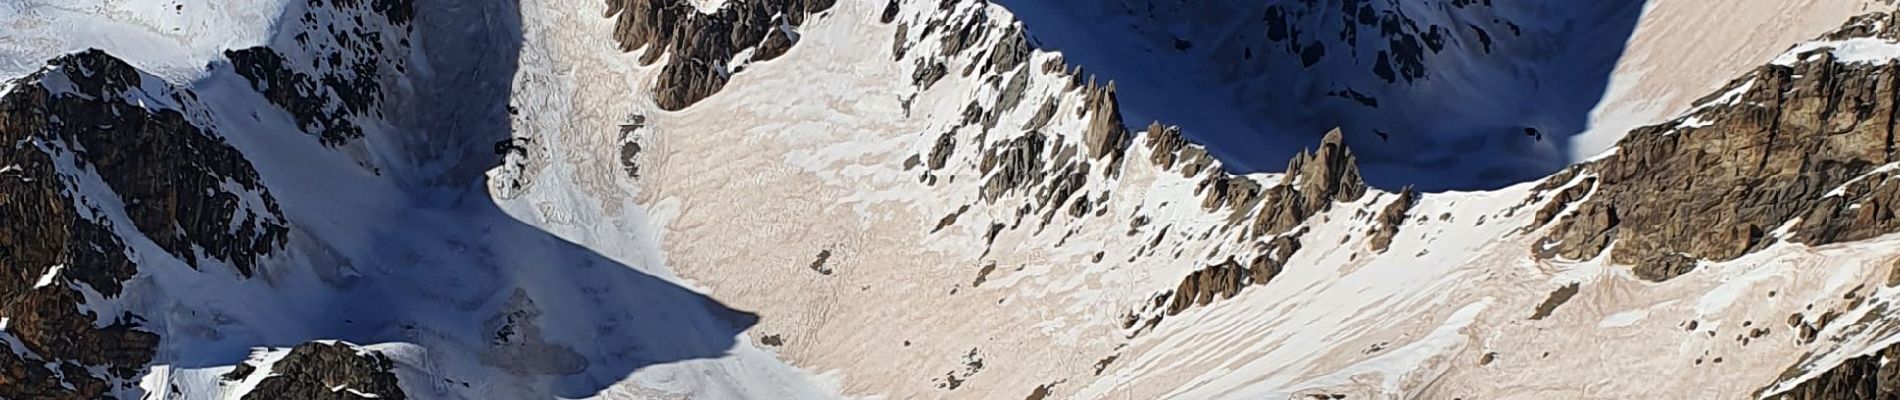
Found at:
(1798, 152)
(699, 46)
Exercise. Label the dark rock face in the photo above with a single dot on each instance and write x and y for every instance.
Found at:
(940, 154)
(93, 118)
(1866, 377)
(329, 371)
(1106, 135)
(1010, 51)
(170, 174)
(345, 80)
(1314, 181)
(1803, 141)
(701, 44)
(1557, 298)
(1387, 225)
(1220, 281)
(1017, 164)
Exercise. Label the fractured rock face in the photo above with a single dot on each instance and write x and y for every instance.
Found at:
(702, 44)
(1867, 377)
(1387, 225)
(330, 371)
(1314, 181)
(1804, 144)
(356, 44)
(89, 132)
(172, 175)
(1106, 135)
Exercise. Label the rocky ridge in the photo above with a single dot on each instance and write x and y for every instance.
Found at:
(1796, 151)
(115, 171)
(706, 48)
(328, 68)
(328, 371)
(1055, 171)
(105, 156)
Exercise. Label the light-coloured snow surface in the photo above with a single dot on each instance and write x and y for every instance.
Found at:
(171, 38)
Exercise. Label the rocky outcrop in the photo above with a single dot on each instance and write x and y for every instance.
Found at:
(1106, 136)
(1010, 51)
(1017, 164)
(89, 134)
(327, 69)
(1386, 225)
(940, 153)
(1274, 214)
(1167, 147)
(1867, 377)
(170, 174)
(1220, 281)
(1313, 182)
(1557, 298)
(329, 371)
(701, 45)
(1805, 145)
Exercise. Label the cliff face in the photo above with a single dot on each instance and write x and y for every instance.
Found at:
(1799, 150)
(702, 50)
(102, 152)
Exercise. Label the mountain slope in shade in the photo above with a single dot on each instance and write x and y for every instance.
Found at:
(904, 199)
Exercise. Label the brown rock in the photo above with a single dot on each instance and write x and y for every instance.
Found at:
(321, 371)
(1386, 226)
(1105, 136)
(1798, 141)
(702, 43)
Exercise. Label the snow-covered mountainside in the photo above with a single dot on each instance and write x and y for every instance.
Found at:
(921, 199)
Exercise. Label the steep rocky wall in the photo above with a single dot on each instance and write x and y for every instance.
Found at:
(332, 65)
(91, 134)
(329, 371)
(702, 46)
(1867, 377)
(1793, 151)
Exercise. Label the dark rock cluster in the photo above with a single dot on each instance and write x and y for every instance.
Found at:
(329, 371)
(352, 47)
(1867, 377)
(1273, 215)
(91, 117)
(1800, 144)
(1386, 226)
(701, 44)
